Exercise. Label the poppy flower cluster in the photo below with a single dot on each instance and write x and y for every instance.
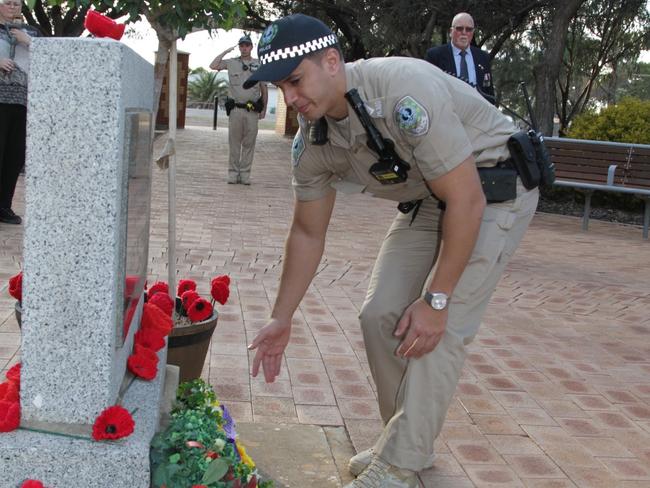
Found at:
(10, 400)
(154, 327)
(190, 303)
(16, 286)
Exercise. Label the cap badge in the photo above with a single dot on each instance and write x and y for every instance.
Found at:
(269, 34)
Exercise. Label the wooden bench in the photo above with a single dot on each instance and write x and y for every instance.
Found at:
(602, 166)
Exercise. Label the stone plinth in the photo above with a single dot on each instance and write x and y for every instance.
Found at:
(82, 141)
(64, 462)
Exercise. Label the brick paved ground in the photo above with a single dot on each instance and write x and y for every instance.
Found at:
(555, 392)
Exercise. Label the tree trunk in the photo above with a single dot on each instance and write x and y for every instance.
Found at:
(165, 38)
(548, 69)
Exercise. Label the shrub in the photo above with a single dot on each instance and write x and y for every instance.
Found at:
(627, 121)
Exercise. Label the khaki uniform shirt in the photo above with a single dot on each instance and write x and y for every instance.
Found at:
(435, 120)
(237, 75)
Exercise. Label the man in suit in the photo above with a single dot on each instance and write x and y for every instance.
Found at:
(462, 60)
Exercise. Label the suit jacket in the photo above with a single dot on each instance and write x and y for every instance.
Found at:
(443, 58)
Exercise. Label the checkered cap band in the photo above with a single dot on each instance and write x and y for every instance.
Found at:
(300, 49)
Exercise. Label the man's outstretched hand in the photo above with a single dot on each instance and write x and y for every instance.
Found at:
(270, 342)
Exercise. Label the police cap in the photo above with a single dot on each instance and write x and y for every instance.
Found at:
(245, 39)
(285, 43)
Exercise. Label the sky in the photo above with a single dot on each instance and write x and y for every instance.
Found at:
(202, 48)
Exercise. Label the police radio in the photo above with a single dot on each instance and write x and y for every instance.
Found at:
(390, 169)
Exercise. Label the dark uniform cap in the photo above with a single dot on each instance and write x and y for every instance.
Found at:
(245, 39)
(285, 43)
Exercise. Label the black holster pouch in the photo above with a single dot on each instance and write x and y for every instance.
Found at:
(499, 183)
(531, 159)
(546, 166)
(229, 105)
(524, 158)
(258, 105)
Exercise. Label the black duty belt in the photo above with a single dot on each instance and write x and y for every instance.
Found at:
(250, 106)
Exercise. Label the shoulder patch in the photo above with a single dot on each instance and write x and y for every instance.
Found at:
(297, 148)
(411, 117)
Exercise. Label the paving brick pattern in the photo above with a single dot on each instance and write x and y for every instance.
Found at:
(556, 388)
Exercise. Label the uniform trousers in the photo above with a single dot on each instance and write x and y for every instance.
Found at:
(242, 133)
(13, 119)
(414, 394)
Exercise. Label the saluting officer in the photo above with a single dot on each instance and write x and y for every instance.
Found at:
(436, 269)
(245, 107)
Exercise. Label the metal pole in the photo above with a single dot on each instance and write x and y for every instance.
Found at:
(171, 252)
(214, 116)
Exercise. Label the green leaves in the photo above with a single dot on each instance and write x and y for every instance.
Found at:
(216, 470)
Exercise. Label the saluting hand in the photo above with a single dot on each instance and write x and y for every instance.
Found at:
(421, 328)
(270, 342)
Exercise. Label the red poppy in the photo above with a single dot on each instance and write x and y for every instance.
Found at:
(16, 286)
(199, 310)
(140, 350)
(9, 392)
(102, 26)
(188, 298)
(156, 319)
(113, 423)
(142, 366)
(224, 278)
(9, 416)
(150, 338)
(14, 374)
(164, 302)
(185, 285)
(129, 285)
(32, 484)
(220, 291)
(252, 483)
(158, 287)
(199, 486)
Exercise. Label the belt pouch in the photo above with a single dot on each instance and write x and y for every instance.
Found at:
(499, 184)
(524, 158)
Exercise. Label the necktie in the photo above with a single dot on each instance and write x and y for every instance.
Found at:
(464, 74)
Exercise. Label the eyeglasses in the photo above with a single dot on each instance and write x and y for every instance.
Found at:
(460, 28)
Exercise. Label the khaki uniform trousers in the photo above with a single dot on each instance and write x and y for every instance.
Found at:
(242, 133)
(414, 395)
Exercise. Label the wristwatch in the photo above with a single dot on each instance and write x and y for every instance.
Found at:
(438, 301)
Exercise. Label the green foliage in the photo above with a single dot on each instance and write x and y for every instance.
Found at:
(180, 17)
(627, 121)
(185, 16)
(205, 86)
(194, 449)
(636, 82)
(194, 394)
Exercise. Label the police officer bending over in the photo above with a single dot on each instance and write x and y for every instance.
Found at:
(400, 129)
(244, 106)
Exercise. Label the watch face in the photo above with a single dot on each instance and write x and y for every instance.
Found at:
(439, 302)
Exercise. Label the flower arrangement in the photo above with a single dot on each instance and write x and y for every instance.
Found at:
(189, 306)
(199, 448)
